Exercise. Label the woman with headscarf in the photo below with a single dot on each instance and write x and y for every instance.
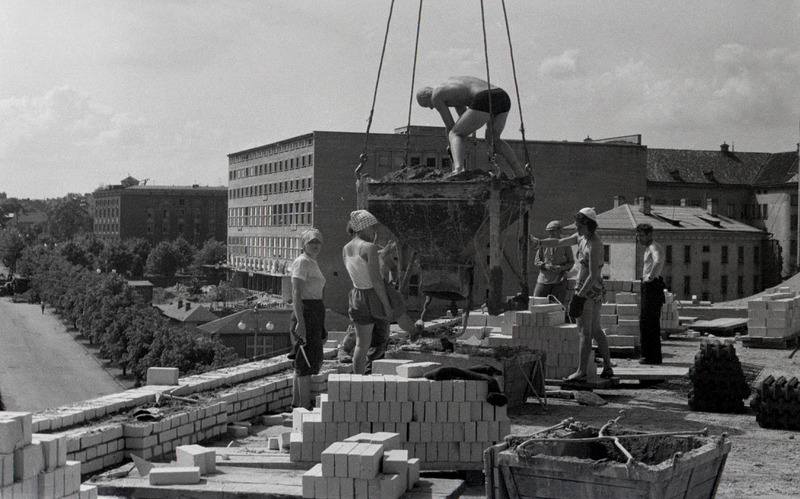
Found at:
(368, 303)
(585, 305)
(308, 318)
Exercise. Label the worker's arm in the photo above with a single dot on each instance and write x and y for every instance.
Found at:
(438, 101)
(570, 260)
(369, 252)
(658, 261)
(297, 307)
(538, 262)
(554, 243)
(595, 258)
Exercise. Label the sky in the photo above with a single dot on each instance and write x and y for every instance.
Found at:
(92, 91)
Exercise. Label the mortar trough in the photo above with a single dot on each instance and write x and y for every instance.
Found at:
(446, 223)
(574, 464)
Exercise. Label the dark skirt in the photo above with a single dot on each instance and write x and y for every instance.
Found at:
(316, 335)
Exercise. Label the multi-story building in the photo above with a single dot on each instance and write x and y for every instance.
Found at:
(160, 213)
(707, 254)
(759, 189)
(278, 190)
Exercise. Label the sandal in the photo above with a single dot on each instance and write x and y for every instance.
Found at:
(607, 373)
(575, 377)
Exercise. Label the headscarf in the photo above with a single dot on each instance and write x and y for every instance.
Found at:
(362, 219)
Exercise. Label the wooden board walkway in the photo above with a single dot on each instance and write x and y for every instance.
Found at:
(231, 482)
(776, 343)
(721, 327)
(638, 373)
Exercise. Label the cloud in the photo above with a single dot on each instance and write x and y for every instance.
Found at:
(561, 67)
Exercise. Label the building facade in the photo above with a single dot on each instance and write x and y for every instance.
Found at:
(707, 255)
(160, 213)
(278, 190)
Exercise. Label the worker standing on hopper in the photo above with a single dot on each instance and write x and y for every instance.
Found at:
(477, 105)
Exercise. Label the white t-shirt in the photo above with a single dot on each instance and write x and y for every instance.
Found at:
(653, 262)
(307, 270)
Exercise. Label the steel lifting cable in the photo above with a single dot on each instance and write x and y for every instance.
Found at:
(489, 130)
(362, 160)
(516, 88)
(413, 77)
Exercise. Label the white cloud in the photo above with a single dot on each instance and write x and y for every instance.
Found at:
(562, 66)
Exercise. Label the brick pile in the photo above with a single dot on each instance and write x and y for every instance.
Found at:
(542, 328)
(35, 465)
(670, 318)
(446, 424)
(366, 465)
(775, 315)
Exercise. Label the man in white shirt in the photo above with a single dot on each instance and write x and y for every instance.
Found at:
(652, 295)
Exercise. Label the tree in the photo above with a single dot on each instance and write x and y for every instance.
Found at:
(212, 253)
(68, 217)
(117, 256)
(163, 260)
(185, 252)
(11, 245)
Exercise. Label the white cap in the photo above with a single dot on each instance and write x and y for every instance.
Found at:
(589, 213)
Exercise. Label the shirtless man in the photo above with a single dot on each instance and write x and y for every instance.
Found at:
(476, 106)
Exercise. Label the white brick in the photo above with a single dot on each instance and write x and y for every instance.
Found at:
(28, 462)
(88, 491)
(416, 369)
(388, 366)
(175, 475)
(162, 376)
(197, 455)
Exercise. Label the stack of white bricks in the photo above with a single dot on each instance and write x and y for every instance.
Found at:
(446, 424)
(775, 315)
(35, 465)
(542, 327)
(366, 465)
(626, 334)
(613, 288)
(670, 318)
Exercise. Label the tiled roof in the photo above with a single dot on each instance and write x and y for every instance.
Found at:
(196, 314)
(673, 218)
(778, 169)
(704, 167)
(230, 324)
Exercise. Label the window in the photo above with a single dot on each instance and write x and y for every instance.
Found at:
(606, 255)
(705, 296)
(687, 286)
(668, 254)
(756, 284)
(740, 286)
(431, 162)
(723, 286)
(413, 285)
(706, 266)
(724, 256)
(741, 255)
(687, 254)
(764, 211)
(706, 249)
(756, 256)
(668, 282)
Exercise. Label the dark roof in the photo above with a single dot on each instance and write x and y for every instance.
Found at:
(673, 218)
(194, 314)
(780, 168)
(704, 167)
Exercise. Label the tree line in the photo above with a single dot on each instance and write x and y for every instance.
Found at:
(109, 313)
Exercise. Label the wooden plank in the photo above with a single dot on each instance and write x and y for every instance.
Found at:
(775, 343)
(654, 372)
(721, 327)
(252, 483)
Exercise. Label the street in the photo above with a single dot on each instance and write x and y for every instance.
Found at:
(41, 365)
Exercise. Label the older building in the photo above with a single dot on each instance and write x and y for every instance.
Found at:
(159, 213)
(759, 189)
(278, 190)
(708, 255)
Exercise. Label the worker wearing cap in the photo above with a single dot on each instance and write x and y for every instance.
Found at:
(553, 265)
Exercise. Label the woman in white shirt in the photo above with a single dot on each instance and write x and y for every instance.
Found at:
(368, 304)
(308, 285)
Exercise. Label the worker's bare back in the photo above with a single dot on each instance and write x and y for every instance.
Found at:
(459, 90)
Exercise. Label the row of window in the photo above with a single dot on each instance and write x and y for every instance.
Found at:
(745, 212)
(286, 247)
(272, 150)
(283, 165)
(723, 287)
(724, 258)
(272, 215)
(294, 185)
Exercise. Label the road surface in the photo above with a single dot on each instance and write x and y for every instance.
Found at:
(41, 365)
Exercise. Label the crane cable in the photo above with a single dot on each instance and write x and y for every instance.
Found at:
(516, 89)
(489, 124)
(362, 160)
(413, 77)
